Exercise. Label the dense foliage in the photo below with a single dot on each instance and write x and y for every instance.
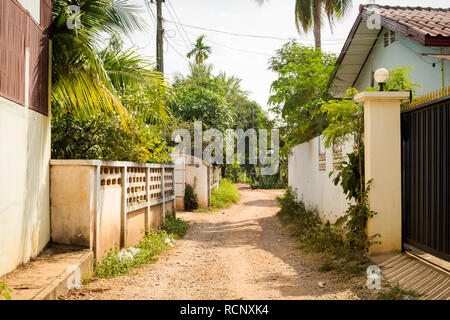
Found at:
(224, 195)
(87, 79)
(299, 91)
(268, 182)
(219, 101)
(103, 137)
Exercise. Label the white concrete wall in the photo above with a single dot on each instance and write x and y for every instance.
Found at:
(195, 172)
(24, 187)
(314, 186)
(404, 52)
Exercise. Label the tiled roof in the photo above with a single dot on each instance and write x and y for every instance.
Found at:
(426, 21)
(429, 27)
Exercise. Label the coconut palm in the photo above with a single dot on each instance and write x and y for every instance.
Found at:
(86, 79)
(200, 52)
(309, 14)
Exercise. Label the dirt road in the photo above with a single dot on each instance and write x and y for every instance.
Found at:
(238, 253)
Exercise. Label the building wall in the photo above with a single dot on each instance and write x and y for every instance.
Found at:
(197, 177)
(313, 186)
(24, 187)
(24, 190)
(198, 174)
(405, 52)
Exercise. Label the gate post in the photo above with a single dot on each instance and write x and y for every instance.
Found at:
(382, 158)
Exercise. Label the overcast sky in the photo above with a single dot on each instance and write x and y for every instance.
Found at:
(243, 57)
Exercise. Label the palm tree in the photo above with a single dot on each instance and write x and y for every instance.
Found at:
(309, 14)
(84, 78)
(200, 51)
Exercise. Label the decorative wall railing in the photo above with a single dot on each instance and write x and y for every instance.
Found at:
(430, 97)
(103, 204)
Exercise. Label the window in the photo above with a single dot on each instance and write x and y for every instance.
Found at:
(386, 39)
(392, 36)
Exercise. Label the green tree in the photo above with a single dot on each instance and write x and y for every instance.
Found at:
(298, 93)
(309, 14)
(103, 137)
(201, 104)
(201, 51)
(82, 80)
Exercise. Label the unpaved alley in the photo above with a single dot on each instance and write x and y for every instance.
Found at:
(238, 253)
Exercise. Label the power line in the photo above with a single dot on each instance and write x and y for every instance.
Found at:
(179, 31)
(249, 35)
(229, 33)
(174, 49)
(150, 10)
(178, 19)
(236, 49)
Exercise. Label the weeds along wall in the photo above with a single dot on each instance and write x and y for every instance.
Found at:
(309, 166)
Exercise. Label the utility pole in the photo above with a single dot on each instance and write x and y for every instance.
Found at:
(159, 45)
(159, 36)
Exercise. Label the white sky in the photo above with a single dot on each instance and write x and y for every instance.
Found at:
(274, 19)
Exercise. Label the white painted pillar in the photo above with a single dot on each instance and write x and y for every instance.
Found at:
(382, 146)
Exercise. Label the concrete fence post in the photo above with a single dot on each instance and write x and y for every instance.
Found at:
(382, 147)
(123, 216)
(147, 197)
(163, 191)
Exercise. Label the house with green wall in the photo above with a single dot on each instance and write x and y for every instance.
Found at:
(390, 37)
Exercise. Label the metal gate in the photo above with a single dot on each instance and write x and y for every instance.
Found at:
(425, 177)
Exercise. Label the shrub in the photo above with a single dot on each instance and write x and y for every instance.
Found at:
(176, 227)
(119, 262)
(314, 235)
(224, 195)
(190, 199)
(5, 291)
(268, 182)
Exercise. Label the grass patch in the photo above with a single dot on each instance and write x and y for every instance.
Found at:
(397, 293)
(315, 236)
(224, 195)
(119, 262)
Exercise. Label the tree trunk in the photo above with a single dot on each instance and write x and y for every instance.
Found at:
(317, 24)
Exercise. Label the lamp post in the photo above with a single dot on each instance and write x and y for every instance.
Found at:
(381, 76)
